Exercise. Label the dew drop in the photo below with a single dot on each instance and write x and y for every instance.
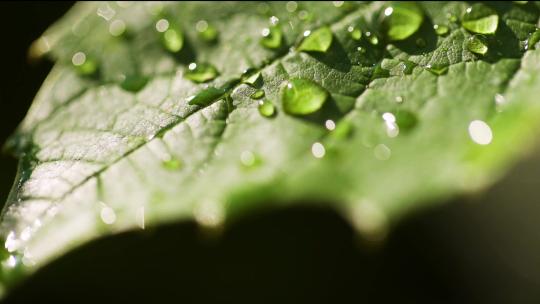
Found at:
(372, 38)
(330, 125)
(437, 69)
(382, 152)
(84, 65)
(172, 38)
(172, 163)
(162, 25)
(10, 262)
(451, 17)
(441, 30)
(207, 32)
(361, 50)
(354, 32)
(302, 96)
(272, 37)
(480, 19)
(201, 72)
(480, 132)
(399, 99)
(117, 28)
(304, 15)
(402, 19)
(317, 41)
(251, 78)
(257, 94)
(249, 159)
(266, 108)
(406, 120)
(476, 44)
(134, 83)
(318, 150)
(206, 96)
(108, 216)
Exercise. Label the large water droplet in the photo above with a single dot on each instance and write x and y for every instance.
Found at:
(257, 94)
(134, 83)
(266, 108)
(84, 65)
(317, 41)
(206, 96)
(302, 96)
(406, 120)
(477, 45)
(272, 37)
(354, 32)
(480, 19)
(440, 29)
(402, 20)
(171, 37)
(201, 72)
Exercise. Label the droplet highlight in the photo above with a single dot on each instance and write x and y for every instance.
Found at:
(480, 132)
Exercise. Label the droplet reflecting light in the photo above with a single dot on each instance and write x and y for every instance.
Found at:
(108, 216)
(318, 150)
(480, 132)
(330, 125)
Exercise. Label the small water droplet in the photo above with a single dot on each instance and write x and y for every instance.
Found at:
(206, 96)
(302, 96)
(10, 262)
(172, 37)
(480, 132)
(402, 19)
(304, 15)
(361, 50)
(266, 108)
(107, 214)
(480, 19)
(134, 83)
(207, 32)
(291, 6)
(406, 120)
(437, 69)
(12, 243)
(330, 125)
(272, 37)
(499, 102)
(249, 159)
(117, 28)
(407, 66)
(354, 32)
(251, 78)
(84, 65)
(451, 17)
(373, 39)
(476, 44)
(379, 72)
(318, 150)
(172, 163)
(257, 94)
(399, 99)
(441, 30)
(382, 152)
(201, 72)
(317, 41)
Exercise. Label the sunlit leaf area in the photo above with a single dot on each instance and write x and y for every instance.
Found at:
(270, 152)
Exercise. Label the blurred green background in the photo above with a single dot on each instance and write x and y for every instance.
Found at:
(476, 249)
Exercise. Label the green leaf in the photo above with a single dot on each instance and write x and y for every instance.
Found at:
(404, 125)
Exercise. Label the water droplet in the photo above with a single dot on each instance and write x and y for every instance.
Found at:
(134, 83)
(291, 6)
(274, 20)
(317, 41)
(392, 129)
(172, 37)
(354, 32)
(399, 99)
(373, 39)
(406, 120)
(534, 40)
(361, 50)
(451, 17)
(251, 78)
(480, 19)
(480, 132)
(257, 94)
(302, 96)
(304, 15)
(407, 66)
(379, 72)
(10, 262)
(318, 150)
(206, 31)
(382, 152)
(441, 30)
(249, 159)
(266, 108)
(162, 25)
(201, 72)
(420, 42)
(437, 69)
(206, 96)
(403, 19)
(476, 44)
(117, 28)
(107, 214)
(330, 125)
(12, 243)
(85, 66)
(172, 163)
(499, 102)
(272, 37)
